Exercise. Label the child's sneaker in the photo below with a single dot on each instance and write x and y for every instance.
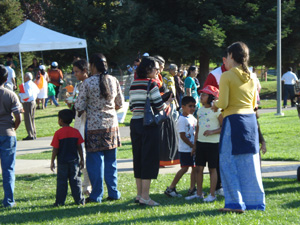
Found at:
(192, 192)
(194, 197)
(220, 192)
(171, 192)
(210, 198)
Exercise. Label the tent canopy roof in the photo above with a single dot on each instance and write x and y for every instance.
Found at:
(29, 37)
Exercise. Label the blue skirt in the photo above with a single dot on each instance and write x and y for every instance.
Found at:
(240, 164)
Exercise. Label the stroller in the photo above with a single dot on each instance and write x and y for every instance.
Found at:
(297, 96)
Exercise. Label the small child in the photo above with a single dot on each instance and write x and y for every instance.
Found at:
(69, 88)
(66, 146)
(51, 95)
(207, 145)
(186, 125)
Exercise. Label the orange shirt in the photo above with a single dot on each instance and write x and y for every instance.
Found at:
(54, 76)
(69, 88)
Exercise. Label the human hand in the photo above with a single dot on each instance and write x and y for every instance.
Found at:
(168, 102)
(193, 151)
(81, 164)
(207, 133)
(52, 166)
(263, 147)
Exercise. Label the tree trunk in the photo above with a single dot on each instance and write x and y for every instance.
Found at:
(203, 69)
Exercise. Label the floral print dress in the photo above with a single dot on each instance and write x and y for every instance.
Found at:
(102, 131)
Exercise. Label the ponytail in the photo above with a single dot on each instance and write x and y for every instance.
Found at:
(240, 54)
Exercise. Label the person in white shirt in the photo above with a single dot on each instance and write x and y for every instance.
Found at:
(11, 77)
(289, 79)
(28, 94)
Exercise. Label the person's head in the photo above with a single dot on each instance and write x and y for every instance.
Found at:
(65, 117)
(98, 65)
(146, 54)
(238, 53)
(173, 69)
(137, 62)
(28, 76)
(161, 62)
(54, 65)
(34, 61)
(42, 69)
(148, 68)
(3, 74)
(80, 68)
(188, 105)
(192, 71)
(9, 57)
(9, 63)
(290, 69)
(70, 82)
(208, 94)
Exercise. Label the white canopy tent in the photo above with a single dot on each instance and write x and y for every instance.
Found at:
(30, 37)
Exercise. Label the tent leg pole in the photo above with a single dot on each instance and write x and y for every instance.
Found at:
(21, 67)
(87, 55)
(42, 57)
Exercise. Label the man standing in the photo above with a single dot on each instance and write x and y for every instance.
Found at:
(28, 94)
(11, 76)
(9, 105)
(289, 79)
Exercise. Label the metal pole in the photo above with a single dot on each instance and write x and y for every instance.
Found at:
(42, 57)
(279, 109)
(21, 67)
(87, 56)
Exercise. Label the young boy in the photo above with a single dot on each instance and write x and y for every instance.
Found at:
(186, 129)
(66, 146)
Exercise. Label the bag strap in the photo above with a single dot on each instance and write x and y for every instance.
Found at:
(148, 87)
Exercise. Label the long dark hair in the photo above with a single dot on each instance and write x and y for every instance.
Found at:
(192, 68)
(146, 66)
(240, 54)
(99, 61)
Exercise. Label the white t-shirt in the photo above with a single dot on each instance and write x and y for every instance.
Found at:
(187, 125)
(208, 120)
(10, 75)
(289, 78)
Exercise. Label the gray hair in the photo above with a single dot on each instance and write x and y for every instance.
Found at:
(29, 75)
(173, 67)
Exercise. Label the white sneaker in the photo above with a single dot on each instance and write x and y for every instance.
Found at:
(209, 198)
(194, 197)
(220, 192)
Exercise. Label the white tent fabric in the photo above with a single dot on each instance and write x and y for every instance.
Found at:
(30, 37)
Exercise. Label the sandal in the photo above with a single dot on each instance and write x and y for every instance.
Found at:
(137, 199)
(148, 202)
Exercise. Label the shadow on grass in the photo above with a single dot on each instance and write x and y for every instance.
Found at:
(292, 205)
(42, 117)
(33, 177)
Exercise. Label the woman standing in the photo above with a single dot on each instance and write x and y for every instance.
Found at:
(42, 83)
(145, 139)
(190, 86)
(100, 96)
(239, 145)
(56, 77)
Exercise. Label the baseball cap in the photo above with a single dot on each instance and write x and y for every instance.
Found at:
(146, 54)
(54, 64)
(209, 89)
(42, 67)
(128, 65)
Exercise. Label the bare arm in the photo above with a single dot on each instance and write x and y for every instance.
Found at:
(188, 92)
(196, 135)
(81, 163)
(54, 154)
(186, 140)
(18, 119)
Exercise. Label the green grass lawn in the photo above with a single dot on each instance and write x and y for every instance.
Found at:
(282, 135)
(35, 195)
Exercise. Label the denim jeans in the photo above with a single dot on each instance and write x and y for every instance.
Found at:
(288, 91)
(68, 171)
(53, 100)
(103, 164)
(8, 157)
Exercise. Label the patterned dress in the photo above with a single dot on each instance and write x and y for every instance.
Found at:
(102, 122)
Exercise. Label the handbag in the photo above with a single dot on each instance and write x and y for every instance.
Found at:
(152, 117)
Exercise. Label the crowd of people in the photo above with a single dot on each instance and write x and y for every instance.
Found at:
(215, 124)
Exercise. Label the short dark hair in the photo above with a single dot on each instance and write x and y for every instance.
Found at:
(290, 69)
(187, 99)
(9, 63)
(81, 64)
(3, 74)
(66, 115)
(159, 59)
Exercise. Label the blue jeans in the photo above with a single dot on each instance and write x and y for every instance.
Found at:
(103, 164)
(8, 146)
(53, 100)
(68, 171)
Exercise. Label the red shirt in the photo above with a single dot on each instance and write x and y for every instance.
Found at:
(212, 79)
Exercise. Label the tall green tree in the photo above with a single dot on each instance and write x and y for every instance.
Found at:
(11, 15)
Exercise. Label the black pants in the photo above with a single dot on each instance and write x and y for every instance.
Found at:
(288, 91)
(68, 171)
(145, 149)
